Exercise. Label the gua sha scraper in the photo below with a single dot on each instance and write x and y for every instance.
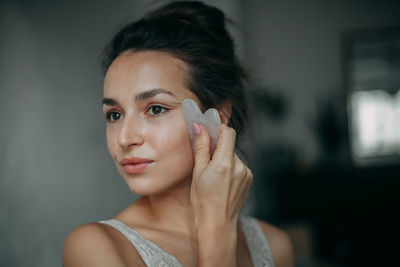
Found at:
(210, 120)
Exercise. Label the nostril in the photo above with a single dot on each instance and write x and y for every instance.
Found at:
(130, 136)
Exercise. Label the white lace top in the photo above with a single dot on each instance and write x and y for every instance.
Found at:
(154, 256)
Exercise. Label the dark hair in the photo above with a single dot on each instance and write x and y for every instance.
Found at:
(195, 33)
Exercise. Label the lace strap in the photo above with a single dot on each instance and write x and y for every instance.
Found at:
(152, 255)
(257, 243)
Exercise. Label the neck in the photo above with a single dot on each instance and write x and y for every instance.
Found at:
(171, 210)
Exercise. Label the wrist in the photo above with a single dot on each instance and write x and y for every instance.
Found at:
(217, 245)
(215, 228)
(217, 233)
(210, 222)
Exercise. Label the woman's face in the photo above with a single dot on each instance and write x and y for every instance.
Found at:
(146, 132)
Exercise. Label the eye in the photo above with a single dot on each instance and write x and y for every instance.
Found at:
(113, 116)
(156, 110)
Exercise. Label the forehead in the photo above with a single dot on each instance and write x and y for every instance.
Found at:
(145, 70)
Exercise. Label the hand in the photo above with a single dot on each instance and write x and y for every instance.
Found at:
(219, 184)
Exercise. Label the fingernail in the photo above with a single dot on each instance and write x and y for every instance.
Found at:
(196, 129)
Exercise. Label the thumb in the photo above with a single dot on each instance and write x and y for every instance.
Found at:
(201, 148)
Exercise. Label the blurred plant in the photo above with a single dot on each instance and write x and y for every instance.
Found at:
(274, 105)
(329, 127)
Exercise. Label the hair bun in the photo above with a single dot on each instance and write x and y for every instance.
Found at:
(194, 9)
(195, 13)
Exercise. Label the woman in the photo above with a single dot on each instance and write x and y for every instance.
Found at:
(188, 213)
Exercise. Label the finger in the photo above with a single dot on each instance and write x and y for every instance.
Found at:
(226, 143)
(201, 148)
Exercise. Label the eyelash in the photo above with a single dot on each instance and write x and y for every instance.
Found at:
(109, 114)
(162, 107)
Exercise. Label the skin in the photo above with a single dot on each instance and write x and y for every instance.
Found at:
(190, 200)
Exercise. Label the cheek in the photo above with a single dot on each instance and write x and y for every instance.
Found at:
(173, 143)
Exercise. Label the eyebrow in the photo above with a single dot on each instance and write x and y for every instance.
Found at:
(152, 93)
(140, 97)
(109, 102)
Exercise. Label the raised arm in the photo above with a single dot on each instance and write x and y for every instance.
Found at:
(219, 188)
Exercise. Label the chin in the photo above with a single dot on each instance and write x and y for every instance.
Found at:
(145, 186)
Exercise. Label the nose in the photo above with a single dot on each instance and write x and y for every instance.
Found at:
(131, 134)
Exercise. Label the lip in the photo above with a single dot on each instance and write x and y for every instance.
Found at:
(135, 165)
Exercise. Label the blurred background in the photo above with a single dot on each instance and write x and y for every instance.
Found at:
(324, 146)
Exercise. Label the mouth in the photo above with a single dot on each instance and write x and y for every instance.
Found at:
(135, 165)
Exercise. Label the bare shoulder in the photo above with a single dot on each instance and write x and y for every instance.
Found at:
(89, 245)
(92, 244)
(280, 244)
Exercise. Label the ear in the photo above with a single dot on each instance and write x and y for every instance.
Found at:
(225, 110)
